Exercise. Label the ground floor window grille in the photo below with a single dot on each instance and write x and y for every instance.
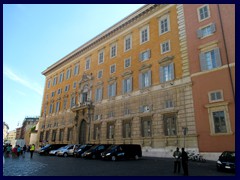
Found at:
(96, 132)
(170, 125)
(69, 136)
(110, 131)
(61, 134)
(146, 126)
(53, 135)
(127, 129)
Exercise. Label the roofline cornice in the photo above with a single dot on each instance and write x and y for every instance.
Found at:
(132, 18)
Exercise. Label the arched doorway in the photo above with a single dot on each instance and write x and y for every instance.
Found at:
(82, 132)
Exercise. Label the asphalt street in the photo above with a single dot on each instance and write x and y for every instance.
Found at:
(70, 166)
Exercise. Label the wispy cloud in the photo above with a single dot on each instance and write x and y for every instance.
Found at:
(31, 85)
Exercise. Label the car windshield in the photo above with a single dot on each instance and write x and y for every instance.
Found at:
(111, 148)
(46, 146)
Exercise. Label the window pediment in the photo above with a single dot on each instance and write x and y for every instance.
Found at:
(127, 73)
(167, 59)
(145, 67)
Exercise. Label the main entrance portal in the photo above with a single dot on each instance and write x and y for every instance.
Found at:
(82, 132)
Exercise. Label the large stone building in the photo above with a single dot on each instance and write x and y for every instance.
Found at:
(129, 84)
(210, 30)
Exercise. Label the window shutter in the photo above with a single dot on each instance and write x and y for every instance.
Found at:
(131, 80)
(101, 94)
(203, 62)
(140, 57)
(149, 53)
(114, 89)
(123, 86)
(140, 81)
(150, 77)
(218, 57)
(161, 75)
(199, 33)
(172, 71)
(109, 90)
(213, 27)
(96, 95)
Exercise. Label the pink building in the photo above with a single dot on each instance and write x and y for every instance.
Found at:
(210, 30)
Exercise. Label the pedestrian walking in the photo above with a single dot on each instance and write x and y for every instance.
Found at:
(184, 162)
(177, 162)
(19, 149)
(9, 149)
(32, 149)
(24, 150)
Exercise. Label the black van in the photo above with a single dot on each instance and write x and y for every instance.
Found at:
(95, 151)
(80, 150)
(122, 151)
(46, 149)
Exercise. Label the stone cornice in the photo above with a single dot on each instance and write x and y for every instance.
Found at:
(113, 30)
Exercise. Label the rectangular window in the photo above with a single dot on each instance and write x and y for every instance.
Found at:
(51, 109)
(169, 103)
(47, 136)
(61, 77)
(215, 96)
(219, 122)
(57, 106)
(206, 31)
(110, 131)
(167, 73)
(76, 69)
(100, 74)
(98, 95)
(59, 91)
(49, 83)
(145, 55)
(127, 63)
(68, 75)
(164, 24)
(170, 125)
(127, 85)
(67, 88)
(69, 135)
(113, 50)
(41, 136)
(54, 80)
(210, 60)
(74, 85)
(165, 47)
(203, 12)
(128, 42)
(112, 89)
(87, 66)
(96, 132)
(65, 103)
(54, 132)
(145, 79)
(127, 129)
(72, 101)
(53, 93)
(101, 57)
(113, 68)
(61, 134)
(146, 126)
(144, 34)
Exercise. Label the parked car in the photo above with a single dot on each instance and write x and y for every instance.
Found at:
(226, 161)
(95, 151)
(122, 151)
(80, 150)
(54, 152)
(66, 151)
(46, 149)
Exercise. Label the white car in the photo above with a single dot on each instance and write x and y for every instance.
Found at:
(66, 151)
(54, 152)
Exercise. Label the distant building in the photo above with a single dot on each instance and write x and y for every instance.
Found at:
(11, 137)
(5, 131)
(18, 132)
(28, 124)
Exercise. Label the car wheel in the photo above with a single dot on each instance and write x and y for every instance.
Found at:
(113, 158)
(65, 154)
(136, 157)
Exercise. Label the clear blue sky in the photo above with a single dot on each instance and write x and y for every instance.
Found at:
(36, 36)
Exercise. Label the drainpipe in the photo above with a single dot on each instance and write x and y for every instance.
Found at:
(225, 47)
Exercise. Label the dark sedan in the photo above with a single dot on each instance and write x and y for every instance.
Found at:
(226, 161)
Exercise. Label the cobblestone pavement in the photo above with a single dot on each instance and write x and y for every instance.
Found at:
(20, 166)
(70, 166)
